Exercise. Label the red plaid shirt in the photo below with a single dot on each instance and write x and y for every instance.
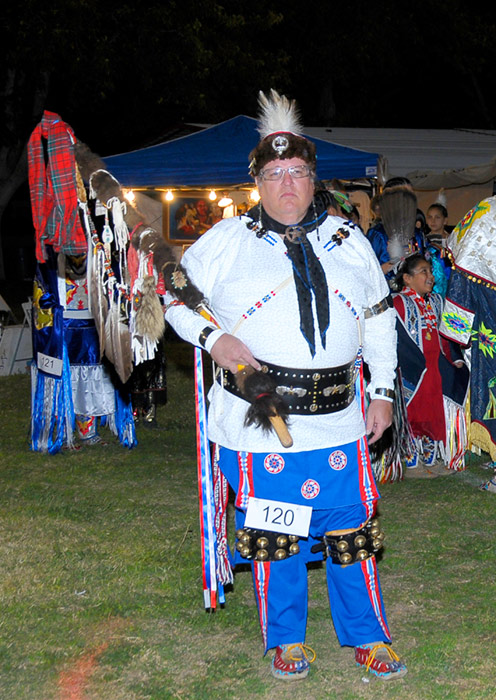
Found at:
(52, 184)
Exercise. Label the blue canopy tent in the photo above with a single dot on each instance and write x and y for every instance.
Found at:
(218, 155)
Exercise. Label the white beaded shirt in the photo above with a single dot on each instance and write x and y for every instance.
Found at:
(249, 285)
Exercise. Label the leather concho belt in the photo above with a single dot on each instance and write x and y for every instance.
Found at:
(308, 392)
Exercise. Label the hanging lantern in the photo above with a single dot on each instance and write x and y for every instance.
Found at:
(225, 201)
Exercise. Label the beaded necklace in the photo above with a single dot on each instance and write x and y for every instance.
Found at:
(426, 310)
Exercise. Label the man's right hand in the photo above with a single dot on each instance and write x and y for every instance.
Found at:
(229, 353)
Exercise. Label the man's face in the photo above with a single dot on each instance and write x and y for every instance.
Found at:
(286, 200)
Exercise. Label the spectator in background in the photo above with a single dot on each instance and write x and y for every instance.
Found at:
(378, 239)
(399, 180)
(419, 241)
(437, 219)
(355, 217)
(344, 206)
(375, 208)
(361, 201)
(336, 203)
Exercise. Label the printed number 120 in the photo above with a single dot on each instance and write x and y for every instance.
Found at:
(279, 516)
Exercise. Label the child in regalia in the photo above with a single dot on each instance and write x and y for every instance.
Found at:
(433, 374)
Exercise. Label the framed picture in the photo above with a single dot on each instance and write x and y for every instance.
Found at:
(188, 216)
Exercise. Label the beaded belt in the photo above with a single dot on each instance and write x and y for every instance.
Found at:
(308, 392)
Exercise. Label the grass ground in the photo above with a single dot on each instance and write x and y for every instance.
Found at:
(100, 589)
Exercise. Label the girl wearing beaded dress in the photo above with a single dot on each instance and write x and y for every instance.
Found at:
(427, 362)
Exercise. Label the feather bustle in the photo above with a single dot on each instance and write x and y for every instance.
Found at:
(398, 213)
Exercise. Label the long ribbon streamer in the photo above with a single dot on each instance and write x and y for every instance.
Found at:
(211, 586)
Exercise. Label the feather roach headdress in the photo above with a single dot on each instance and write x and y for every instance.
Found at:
(398, 212)
(280, 128)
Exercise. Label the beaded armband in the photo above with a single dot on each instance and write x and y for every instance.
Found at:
(174, 302)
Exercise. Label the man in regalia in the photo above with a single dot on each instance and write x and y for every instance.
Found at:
(298, 295)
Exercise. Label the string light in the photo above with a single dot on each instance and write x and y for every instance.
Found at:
(169, 196)
(212, 196)
(254, 195)
(129, 195)
(225, 201)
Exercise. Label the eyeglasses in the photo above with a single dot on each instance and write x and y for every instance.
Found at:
(296, 171)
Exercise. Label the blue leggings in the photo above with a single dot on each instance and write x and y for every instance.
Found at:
(281, 591)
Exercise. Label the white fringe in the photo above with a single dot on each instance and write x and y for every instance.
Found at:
(456, 443)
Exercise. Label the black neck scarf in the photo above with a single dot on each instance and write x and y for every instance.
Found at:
(308, 272)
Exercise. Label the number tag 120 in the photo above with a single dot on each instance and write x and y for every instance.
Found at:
(276, 516)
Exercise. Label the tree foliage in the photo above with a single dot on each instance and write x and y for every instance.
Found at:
(118, 71)
(423, 64)
(122, 74)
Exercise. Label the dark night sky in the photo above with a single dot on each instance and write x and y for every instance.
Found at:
(130, 76)
(125, 75)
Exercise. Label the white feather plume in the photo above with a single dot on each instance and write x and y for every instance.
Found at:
(396, 248)
(441, 198)
(277, 113)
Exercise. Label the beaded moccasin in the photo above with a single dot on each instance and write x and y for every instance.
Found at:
(291, 662)
(411, 462)
(430, 451)
(380, 660)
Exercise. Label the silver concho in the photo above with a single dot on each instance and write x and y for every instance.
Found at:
(294, 233)
(291, 391)
(336, 389)
(280, 144)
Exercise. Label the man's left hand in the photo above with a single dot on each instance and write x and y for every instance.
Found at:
(379, 418)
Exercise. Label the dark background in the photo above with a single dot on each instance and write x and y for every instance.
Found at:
(127, 75)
